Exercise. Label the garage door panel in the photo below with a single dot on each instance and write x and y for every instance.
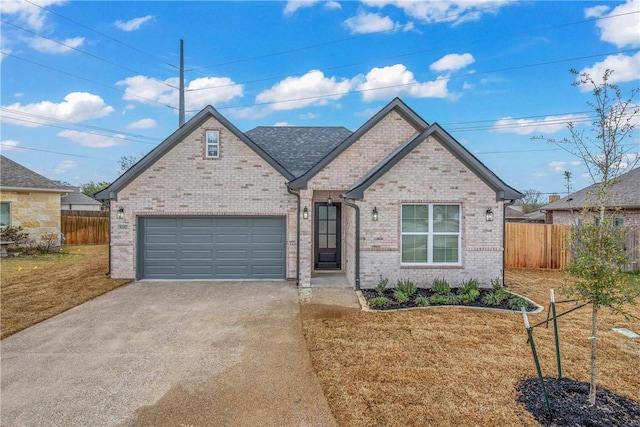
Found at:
(212, 248)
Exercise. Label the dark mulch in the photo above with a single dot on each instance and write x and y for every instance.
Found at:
(426, 292)
(570, 407)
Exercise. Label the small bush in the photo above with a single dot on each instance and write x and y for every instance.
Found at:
(379, 302)
(516, 303)
(422, 301)
(496, 284)
(449, 299)
(470, 296)
(471, 284)
(400, 296)
(16, 235)
(407, 287)
(381, 286)
(441, 287)
(48, 243)
(495, 297)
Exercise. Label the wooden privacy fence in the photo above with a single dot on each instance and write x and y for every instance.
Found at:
(85, 230)
(536, 245)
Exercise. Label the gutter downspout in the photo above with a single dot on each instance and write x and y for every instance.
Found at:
(297, 237)
(504, 236)
(108, 273)
(357, 208)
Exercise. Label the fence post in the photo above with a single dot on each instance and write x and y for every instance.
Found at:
(535, 359)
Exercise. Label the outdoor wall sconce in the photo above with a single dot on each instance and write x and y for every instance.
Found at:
(375, 214)
(305, 213)
(329, 201)
(489, 214)
(120, 212)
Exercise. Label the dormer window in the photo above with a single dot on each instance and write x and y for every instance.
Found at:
(212, 144)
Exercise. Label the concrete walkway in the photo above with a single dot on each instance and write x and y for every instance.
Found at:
(166, 354)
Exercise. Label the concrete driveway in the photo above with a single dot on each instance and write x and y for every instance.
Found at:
(166, 354)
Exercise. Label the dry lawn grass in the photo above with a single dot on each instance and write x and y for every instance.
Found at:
(35, 288)
(455, 366)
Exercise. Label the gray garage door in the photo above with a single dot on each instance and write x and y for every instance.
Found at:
(211, 248)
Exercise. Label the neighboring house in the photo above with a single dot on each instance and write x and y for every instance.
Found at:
(625, 203)
(79, 202)
(513, 214)
(397, 198)
(28, 199)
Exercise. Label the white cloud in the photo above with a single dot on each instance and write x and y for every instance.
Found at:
(32, 15)
(453, 62)
(293, 5)
(142, 124)
(558, 166)
(51, 46)
(547, 125)
(76, 107)
(93, 139)
(8, 145)
(625, 69)
(198, 93)
(396, 80)
(621, 30)
(64, 166)
(313, 88)
(366, 23)
(133, 24)
(309, 116)
(282, 124)
(455, 11)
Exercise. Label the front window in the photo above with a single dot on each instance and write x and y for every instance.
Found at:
(431, 234)
(5, 214)
(212, 144)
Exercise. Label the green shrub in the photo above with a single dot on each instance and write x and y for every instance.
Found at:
(400, 296)
(496, 284)
(407, 287)
(449, 299)
(422, 301)
(516, 303)
(495, 297)
(471, 284)
(16, 235)
(470, 296)
(381, 286)
(441, 287)
(379, 302)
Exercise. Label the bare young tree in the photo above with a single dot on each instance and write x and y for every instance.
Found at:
(532, 200)
(598, 255)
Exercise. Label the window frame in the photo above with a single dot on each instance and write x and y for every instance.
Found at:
(207, 144)
(430, 234)
(9, 213)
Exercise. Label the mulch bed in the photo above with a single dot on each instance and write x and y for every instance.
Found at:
(570, 407)
(426, 292)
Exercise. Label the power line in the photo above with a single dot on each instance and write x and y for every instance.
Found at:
(19, 147)
(86, 53)
(86, 79)
(102, 34)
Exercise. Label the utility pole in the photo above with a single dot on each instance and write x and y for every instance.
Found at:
(181, 106)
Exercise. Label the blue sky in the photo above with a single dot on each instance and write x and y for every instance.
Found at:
(85, 83)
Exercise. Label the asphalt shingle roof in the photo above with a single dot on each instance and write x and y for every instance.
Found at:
(78, 199)
(14, 175)
(298, 148)
(625, 194)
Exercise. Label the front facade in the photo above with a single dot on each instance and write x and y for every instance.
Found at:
(397, 198)
(29, 200)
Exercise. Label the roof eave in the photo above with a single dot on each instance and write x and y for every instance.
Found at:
(34, 189)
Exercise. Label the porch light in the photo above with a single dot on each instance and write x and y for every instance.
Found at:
(120, 212)
(305, 213)
(375, 214)
(489, 214)
(329, 201)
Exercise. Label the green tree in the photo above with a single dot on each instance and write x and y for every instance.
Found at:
(91, 188)
(597, 246)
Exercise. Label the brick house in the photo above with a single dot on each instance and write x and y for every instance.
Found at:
(28, 199)
(397, 198)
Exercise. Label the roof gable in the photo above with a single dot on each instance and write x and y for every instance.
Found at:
(396, 105)
(298, 148)
(503, 191)
(625, 194)
(15, 176)
(165, 146)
